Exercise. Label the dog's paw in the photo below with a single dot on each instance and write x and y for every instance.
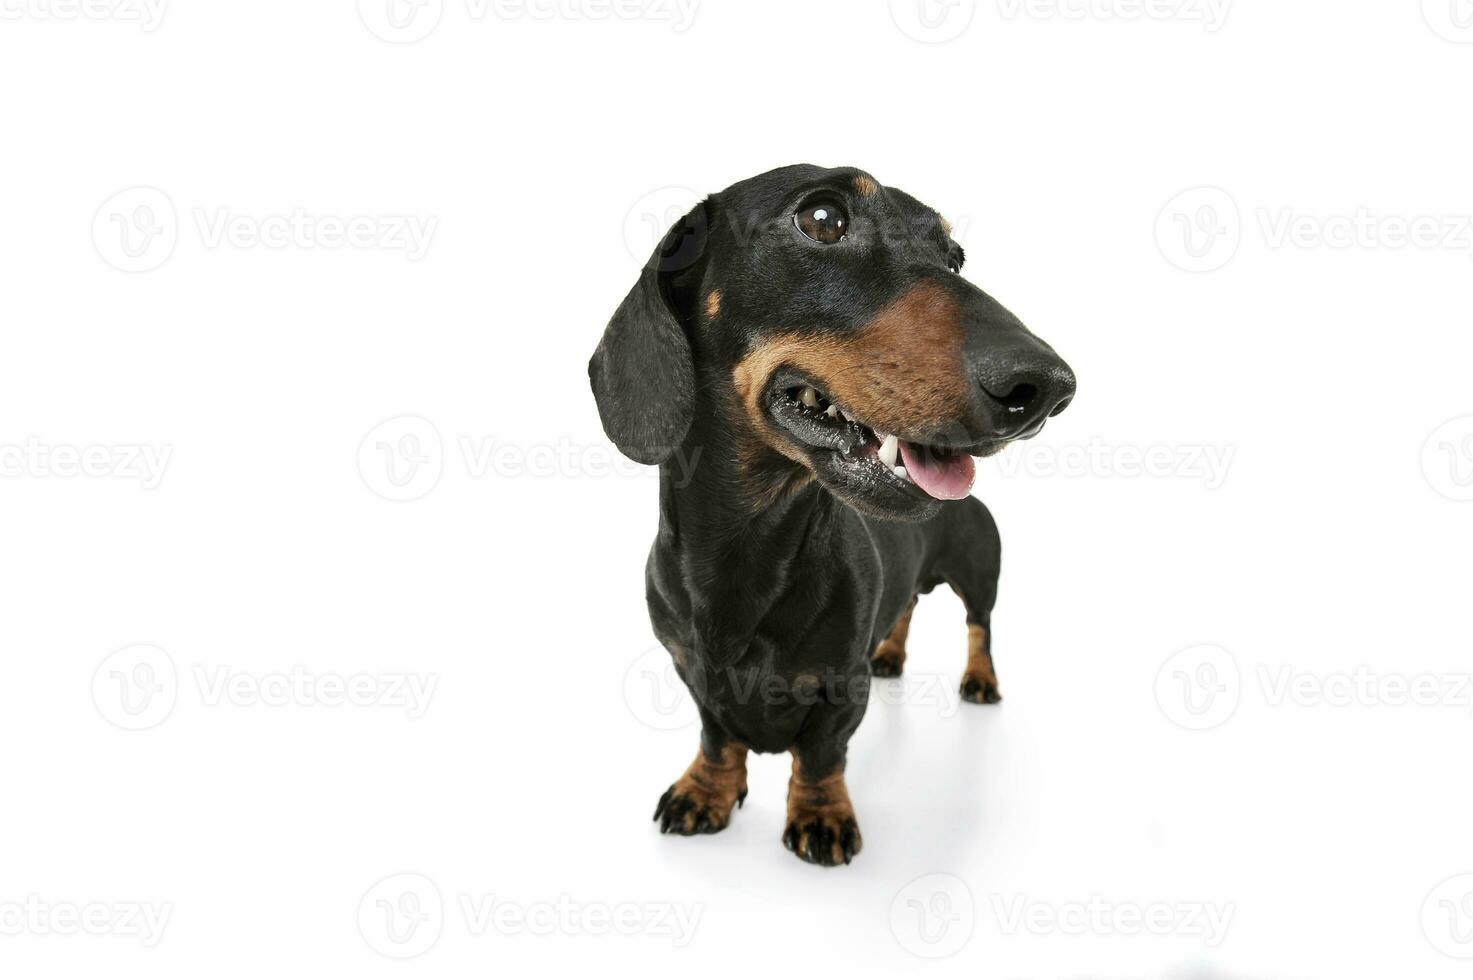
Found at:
(980, 689)
(888, 661)
(687, 808)
(824, 836)
(887, 666)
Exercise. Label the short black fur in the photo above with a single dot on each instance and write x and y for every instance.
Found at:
(781, 562)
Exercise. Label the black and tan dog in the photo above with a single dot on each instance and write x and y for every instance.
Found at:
(803, 347)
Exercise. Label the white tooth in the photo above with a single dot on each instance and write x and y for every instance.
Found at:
(900, 472)
(831, 411)
(810, 397)
(889, 446)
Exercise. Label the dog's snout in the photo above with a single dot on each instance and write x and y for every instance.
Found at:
(1023, 387)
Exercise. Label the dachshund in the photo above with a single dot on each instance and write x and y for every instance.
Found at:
(803, 346)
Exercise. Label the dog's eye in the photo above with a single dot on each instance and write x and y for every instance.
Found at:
(825, 223)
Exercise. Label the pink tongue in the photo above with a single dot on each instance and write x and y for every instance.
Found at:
(943, 477)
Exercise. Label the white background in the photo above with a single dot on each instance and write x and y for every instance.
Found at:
(1159, 190)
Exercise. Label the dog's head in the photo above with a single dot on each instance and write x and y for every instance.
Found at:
(822, 319)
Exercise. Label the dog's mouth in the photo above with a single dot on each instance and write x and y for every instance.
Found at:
(886, 473)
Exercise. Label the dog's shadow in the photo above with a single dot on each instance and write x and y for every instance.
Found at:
(919, 774)
(929, 775)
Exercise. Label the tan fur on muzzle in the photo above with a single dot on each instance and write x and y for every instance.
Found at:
(901, 372)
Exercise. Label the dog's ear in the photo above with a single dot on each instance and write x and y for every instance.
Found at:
(643, 377)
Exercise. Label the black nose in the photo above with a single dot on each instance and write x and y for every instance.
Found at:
(1024, 386)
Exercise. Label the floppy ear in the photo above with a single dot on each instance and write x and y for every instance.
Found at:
(643, 378)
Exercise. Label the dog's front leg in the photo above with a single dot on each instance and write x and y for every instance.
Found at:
(701, 801)
(822, 828)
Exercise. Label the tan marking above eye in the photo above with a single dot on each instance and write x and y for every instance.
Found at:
(713, 304)
(865, 185)
(945, 225)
